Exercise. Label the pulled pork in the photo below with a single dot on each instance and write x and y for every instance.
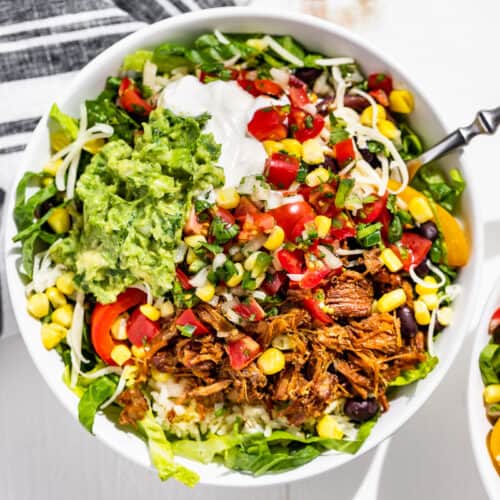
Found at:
(350, 295)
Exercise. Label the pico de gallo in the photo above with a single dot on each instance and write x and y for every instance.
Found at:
(226, 246)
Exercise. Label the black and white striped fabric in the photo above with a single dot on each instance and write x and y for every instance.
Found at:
(43, 43)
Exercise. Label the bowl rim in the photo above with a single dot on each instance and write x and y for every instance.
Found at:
(475, 406)
(132, 41)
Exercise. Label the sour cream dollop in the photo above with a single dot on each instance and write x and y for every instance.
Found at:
(230, 108)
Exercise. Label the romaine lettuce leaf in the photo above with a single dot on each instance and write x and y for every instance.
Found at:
(136, 60)
(489, 364)
(421, 371)
(97, 393)
(63, 128)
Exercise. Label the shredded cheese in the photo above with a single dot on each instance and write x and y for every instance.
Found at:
(281, 51)
(74, 338)
(107, 370)
(340, 87)
(44, 273)
(221, 38)
(119, 388)
(144, 287)
(334, 61)
(419, 281)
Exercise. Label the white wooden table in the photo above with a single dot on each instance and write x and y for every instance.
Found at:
(451, 47)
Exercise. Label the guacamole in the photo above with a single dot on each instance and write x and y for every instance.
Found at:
(134, 204)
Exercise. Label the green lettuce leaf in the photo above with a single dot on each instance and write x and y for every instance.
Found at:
(63, 128)
(161, 453)
(489, 364)
(421, 371)
(97, 393)
(136, 60)
(169, 56)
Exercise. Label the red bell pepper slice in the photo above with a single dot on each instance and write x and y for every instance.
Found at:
(289, 214)
(140, 328)
(291, 261)
(187, 317)
(315, 311)
(250, 311)
(183, 279)
(103, 317)
(267, 124)
(273, 282)
(303, 125)
(344, 151)
(416, 249)
(380, 96)
(242, 352)
(281, 170)
(380, 81)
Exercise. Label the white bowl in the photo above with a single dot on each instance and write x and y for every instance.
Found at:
(315, 34)
(479, 426)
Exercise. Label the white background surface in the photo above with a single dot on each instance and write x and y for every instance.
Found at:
(451, 47)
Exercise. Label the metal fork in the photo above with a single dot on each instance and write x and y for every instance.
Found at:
(486, 122)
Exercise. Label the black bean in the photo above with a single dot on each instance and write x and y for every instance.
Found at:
(323, 106)
(429, 230)
(408, 324)
(422, 269)
(308, 75)
(355, 102)
(370, 158)
(330, 163)
(361, 410)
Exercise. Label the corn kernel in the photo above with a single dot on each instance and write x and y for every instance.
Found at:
(323, 225)
(38, 305)
(431, 300)
(159, 376)
(420, 209)
(63, 315)
(47, 181)
(94, 146)
(401, 101)
(52, 334)
(317, 176)
(367, 115)
(388, 129)
(271, 361)
(391, 260)
(65, 283)
(391, 300)
(227, 198)
(52, 167)
(272, 147)
(190, 256)
(138, 351)
(119, 327)
(312, 152)
(250, 261)
(422, 314)
(444, 315)
(275, 239)
(422, 289)
(236, 279)
(491, 394)
(206, 292)
(167, 309)
(151, 312)
(292, 146)
(194, 240)
(57, 299)
(328, 428)
(120, 354)
(59, 220)
(257, 43)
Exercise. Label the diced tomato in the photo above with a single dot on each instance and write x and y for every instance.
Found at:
(380, 96)
(415, 249)
(273, 283)
(193, 226)
(494, 325)
(242, 352)
(380, 81)
(385, 219)
(312, 278)
(281, 170)
(249, 86)
(225, 215)
(268, 87)
(183, 279)
(342, 227)
(372, 211)
(291, 261)
(315, 311)
(344, 151)
(124, 85)
(103, 317)
(267, 124)
(298, 96)
(305, 191)
(244, 208)
(188, 317)
(289, 214)
(140, 328)
(303, 125)
(296, 82)
(131, 100)
(250, 311)
(299, 227)
(264, 221)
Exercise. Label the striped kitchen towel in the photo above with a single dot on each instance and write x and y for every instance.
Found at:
(43, 43)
